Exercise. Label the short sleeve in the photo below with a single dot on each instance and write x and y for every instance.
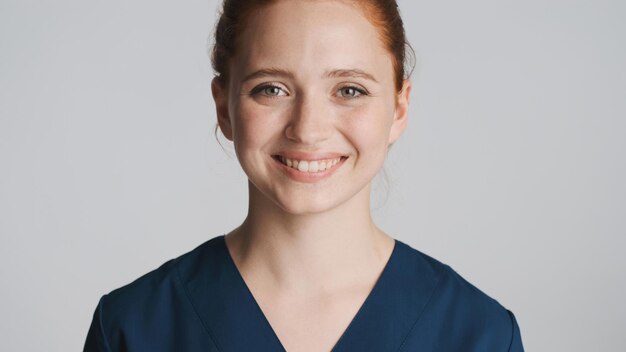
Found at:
(96, 340)
(516, 338)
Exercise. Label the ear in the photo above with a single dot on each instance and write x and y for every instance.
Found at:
(402, 111)
(220, 97)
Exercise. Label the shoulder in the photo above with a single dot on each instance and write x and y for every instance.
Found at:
(138, 312)
(452, 288)
(462, 310)
(167, 279)
(157, 282)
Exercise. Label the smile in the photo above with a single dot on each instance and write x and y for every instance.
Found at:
(308, 171)
(309, 165)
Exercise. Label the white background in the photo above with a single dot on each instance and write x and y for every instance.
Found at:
(511, 171)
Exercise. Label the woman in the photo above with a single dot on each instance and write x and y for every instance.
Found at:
(312, 94)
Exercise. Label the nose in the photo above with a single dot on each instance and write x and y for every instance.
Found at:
(310, 121)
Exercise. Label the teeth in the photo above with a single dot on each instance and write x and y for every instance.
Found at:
(309, 166)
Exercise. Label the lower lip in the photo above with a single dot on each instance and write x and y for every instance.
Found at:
(308, 177)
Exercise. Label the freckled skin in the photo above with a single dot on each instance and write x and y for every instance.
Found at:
(308, 111)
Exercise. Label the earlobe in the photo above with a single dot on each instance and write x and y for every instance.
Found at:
(402, 111)
(221, 108)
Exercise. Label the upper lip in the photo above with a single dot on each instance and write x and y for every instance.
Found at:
(297, 155)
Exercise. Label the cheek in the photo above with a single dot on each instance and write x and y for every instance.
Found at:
(368, 127)
(254, 125)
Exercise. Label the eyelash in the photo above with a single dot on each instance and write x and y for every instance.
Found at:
(258, 90)
(362, 92)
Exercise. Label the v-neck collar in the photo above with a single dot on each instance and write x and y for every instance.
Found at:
(235, 321)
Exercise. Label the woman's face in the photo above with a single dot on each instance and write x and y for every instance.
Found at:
(311, 85)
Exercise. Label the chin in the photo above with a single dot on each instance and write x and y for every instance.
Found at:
(305, 206)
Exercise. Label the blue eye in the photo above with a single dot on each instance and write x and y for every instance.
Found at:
(351, 92)
(268, 90)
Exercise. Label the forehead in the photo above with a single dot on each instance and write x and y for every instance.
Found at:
(306, 36)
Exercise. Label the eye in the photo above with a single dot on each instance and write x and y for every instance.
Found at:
(268, 90)
(351, 92)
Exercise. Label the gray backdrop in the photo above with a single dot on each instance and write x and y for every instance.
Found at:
(512, 168)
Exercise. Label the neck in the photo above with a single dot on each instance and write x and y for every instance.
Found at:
(311, 252)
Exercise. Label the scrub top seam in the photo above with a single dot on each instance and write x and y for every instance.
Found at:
(249, 295)
(104, 336)
(512, 329)
(195, 309)
(369, 298)
(419, 316)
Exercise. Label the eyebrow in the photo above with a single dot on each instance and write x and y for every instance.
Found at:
(354, 73)
(272, 71)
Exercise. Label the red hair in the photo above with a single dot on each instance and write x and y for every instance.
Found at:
(382, 14)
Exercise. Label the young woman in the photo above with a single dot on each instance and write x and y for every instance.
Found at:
(312, 94)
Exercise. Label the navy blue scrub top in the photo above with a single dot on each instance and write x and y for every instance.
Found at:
(200, 302)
